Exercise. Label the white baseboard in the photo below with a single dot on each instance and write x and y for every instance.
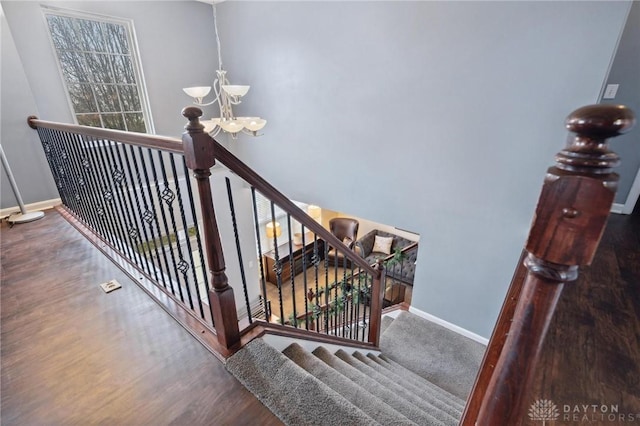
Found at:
(40, 205)
(617, 208)
(462, 331)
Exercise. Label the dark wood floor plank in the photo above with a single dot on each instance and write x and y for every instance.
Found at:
(592, 351)
(72, 354)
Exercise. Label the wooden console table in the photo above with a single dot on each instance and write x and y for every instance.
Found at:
(299, 252)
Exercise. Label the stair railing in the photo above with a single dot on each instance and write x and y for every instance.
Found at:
(570, 218)
(340, 289)
(132, 193)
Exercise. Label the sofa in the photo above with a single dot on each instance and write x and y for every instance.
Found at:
(404, 270)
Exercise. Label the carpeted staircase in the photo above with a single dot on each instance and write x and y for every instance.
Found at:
(422, 377)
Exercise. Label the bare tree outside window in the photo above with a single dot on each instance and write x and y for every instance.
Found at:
(97, 61)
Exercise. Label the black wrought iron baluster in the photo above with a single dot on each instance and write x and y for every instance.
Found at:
(158, 201)
(327, 289)
(69, 176)
(293, 272)
(185, 265)
(263, 279)
(277, 267)
(121, 233)
(126, 186)
(316, 264)
(105, 224)
(367, 297)
(304, 279)
(143, 247)
(353, 300)
(196, 227)
(343, 296)
(83, 184)
(45, 135)
(167, 196)
(63, 186)
(238, 249)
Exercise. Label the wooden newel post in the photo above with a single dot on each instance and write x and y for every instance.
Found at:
(377, 294)
(569, 221)
(199, 156)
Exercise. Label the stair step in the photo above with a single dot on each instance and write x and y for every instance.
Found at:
(402, 391)
(408, 409)
(386, 322)
(435, 353)
(357, 395)
(397, 370)
(292, 394)
(429, 394)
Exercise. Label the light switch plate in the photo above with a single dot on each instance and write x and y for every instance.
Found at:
(610, 91)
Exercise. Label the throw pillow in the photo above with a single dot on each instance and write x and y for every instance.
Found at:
(382, 244)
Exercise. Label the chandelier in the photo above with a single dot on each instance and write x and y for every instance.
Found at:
(226, 95)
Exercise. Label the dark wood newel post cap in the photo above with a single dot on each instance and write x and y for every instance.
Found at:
(601, 121)
(193, 114)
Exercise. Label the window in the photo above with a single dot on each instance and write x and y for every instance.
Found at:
(100, 68)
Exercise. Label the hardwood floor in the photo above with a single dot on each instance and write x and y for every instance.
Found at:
(590, 363)
(72, 354)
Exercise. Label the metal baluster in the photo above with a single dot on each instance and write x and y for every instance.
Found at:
(304, 279)
(73, 179)
(293, 272)
(192, 206)
(127, 204)
(48, 152)
(167, 196)
(108, 192)
(327, 289)
(239, 251)
(263, 279)
(159, 202)
(316, 263)
(367, 294)
(353, 301)
(184, 265)
(277, 267)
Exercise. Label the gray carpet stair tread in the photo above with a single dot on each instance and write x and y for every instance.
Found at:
(292, 394)
(408, 375)
(401, 391)
(386, 322)
(430, 394)
(409, 410)
(357, 395)
(441, 356)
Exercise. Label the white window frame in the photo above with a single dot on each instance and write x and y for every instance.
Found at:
(134, 54)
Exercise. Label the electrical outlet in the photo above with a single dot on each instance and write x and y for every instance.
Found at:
(610, 91)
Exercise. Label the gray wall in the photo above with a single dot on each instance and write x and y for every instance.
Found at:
(20, 143)
(177, 49)
(436, 117)
(625, 71)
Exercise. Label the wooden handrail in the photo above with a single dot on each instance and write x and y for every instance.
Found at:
(569, 221)
(144, 140)
(269, 191)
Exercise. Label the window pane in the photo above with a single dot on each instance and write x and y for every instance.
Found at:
(91, 35)
(107, 98)
(129, 98)
(73, 67)
(116, 38)
(82, 98)
(61, 29)
(123, 69)
(100, 67)
(113, 121)
(92, 120)
(135, 122)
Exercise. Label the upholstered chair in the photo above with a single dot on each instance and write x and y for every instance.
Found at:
(346, 230)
